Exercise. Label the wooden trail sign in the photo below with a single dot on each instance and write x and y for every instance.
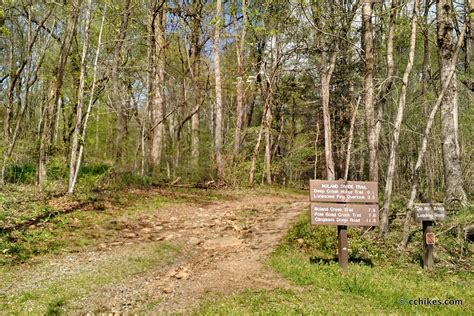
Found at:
(343, 191)
(429, 212)
(344, 210)
(344, 214)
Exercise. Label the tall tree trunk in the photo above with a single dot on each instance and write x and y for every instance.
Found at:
(368, 46)
(80, 100)
(446, 85)
(148, 123)
(453, 178)
(239, 48)
(159, 95)
(268, 140)
(327, 69)
(253, 164)
(195, 73)
(349, 141)
(78, 156)
(116, 95)
(426, 66)
(268, 117)
(219, 137)
(387, 86)
(398, 123)
(47, 123)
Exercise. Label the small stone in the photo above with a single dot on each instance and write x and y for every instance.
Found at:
(300, 241)
(146, 230)
(173, 219)
(102, 246)
(167, 290)
(183, 274)
(169, 237)
(130, 235)
(194, 241)
(158, 228)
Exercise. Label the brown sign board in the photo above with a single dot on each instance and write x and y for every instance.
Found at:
(430, 238)
(343, 191)
(429, 212)
(344, 214)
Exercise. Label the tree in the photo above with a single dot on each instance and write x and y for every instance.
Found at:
(368, 47)
(454, 191)
(219, 136)
(47, 122)
(77, 148)
(239, 48)
(398, 122)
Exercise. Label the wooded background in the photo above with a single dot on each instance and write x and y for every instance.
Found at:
(241, 93)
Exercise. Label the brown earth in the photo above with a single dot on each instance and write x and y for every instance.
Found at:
(223, 248)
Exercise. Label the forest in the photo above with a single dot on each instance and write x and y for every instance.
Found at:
(121, 117)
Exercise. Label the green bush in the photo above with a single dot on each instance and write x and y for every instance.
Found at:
(24, 173)
(94, 169)
(321, 242)
(57, 170)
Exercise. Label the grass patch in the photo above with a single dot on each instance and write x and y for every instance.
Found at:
(380, 280)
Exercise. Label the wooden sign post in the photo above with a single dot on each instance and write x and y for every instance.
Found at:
(344, 203)
(427, 214)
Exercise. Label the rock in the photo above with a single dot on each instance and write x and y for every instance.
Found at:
(222, 242)
(169, 237)
(102, 246)
(173, 219)
(158, 228)
(300, 241)
(182, 275)
(146, 230)
(194, 241)
(167, 290)
(130, 235)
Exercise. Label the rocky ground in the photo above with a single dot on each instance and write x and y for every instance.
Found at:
(223, 246)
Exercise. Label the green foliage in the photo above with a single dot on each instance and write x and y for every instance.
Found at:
(58, 169)
(127, 179)
(24, 173)
(55, 307)
(321, 242)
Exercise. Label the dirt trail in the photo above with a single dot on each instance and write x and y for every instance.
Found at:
(224, 244)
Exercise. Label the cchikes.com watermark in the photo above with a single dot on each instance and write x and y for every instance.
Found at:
(430, 301)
